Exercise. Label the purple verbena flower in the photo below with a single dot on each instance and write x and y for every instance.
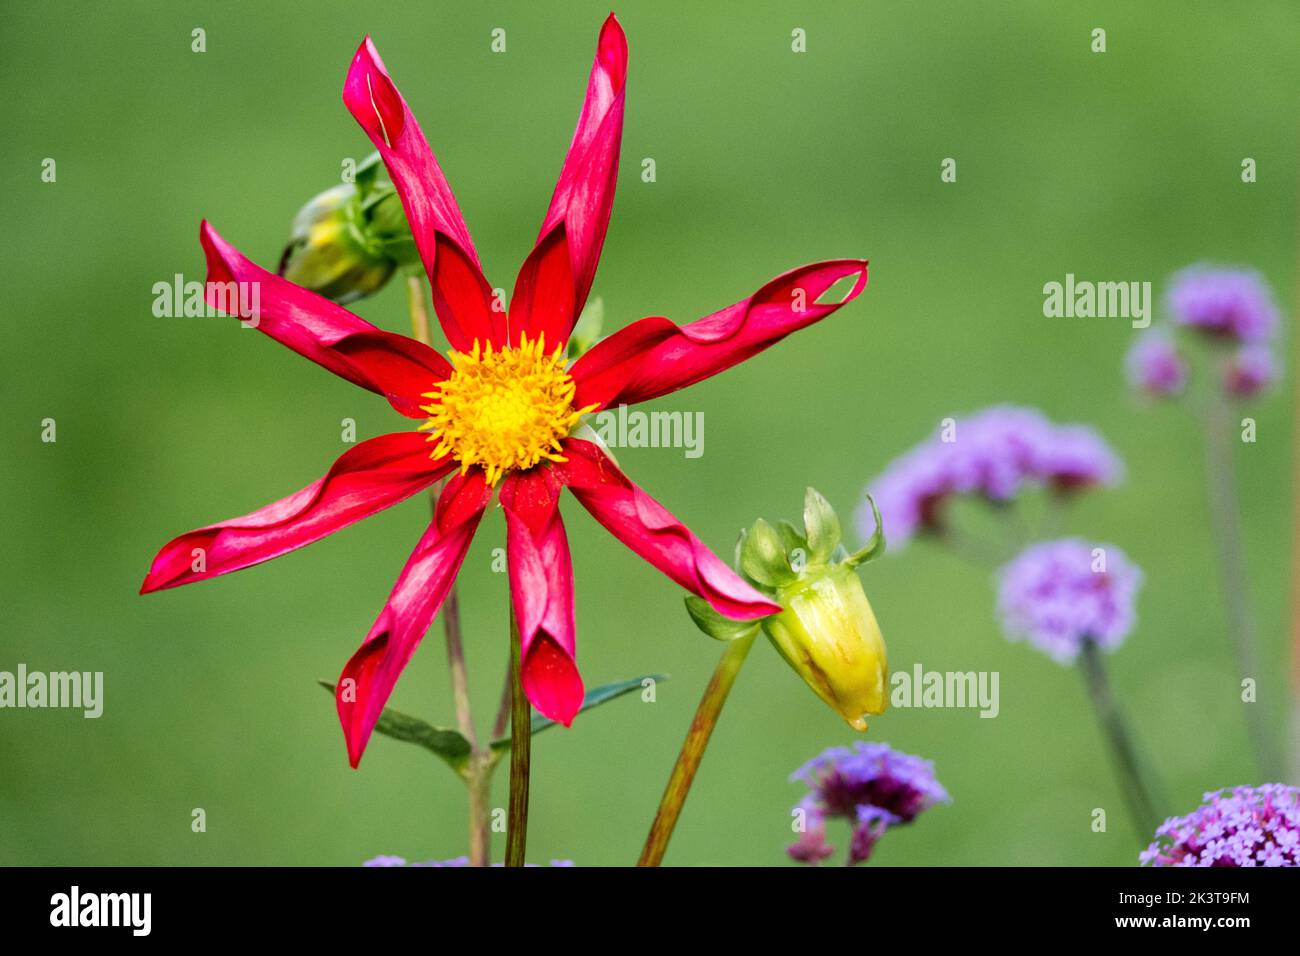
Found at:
(994, 455)
(1155, 366)
(869, 784)
(1250, 371)
(1058, 594)
(1244, 826)
(1225, 303)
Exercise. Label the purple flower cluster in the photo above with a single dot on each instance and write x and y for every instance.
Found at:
(993, 454)
(869, 784)
(1245, 826)
(1058, 594)
(454, 862)
(1229, 306)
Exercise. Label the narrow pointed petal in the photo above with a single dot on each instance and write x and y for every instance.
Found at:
(654, 356)
(364, 480)
(462, 297)
(368, 678)
(541, 589)
(542, 306)
(652, 532)
(584, 194)
(394, 366)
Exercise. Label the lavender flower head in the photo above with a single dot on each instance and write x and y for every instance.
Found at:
(1245, 826)
(1250, 371)
(994, 454)
(1155, 366)
(870, 784)
(1058, 594)
(1234, 304)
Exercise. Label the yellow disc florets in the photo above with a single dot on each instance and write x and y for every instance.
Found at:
(503, 410)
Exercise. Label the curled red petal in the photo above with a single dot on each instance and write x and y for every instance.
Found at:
(462, 297)
(365, 479)
(369, 676)
(541, 590)
(584, 194)
(654, 356)
(399, 368)
(542, 304)
(647, 527)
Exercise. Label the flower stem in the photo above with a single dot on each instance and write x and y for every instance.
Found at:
(1221, 476)
(692, 752)
(521, 733)
(479, 774)
(1137, 791)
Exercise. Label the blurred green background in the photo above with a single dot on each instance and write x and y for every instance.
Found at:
(1123, 165)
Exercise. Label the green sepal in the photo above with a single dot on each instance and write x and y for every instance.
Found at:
(875, 547)
(587, 329)
(593, 698)
(821, 525)
(763, 557)
(717, 626)
(449, 745)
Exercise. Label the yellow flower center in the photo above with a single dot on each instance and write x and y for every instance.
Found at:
(503, 410)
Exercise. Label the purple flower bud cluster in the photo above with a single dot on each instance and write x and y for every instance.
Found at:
(1244, 826)
(993, 454)
(1058, 594)
(1232, 307)
(870, 784)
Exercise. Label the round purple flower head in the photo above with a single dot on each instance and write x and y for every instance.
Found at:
(993, 454)
(1250, 371)
(1058, 594)
(1155, 367)
(1233, 304)
(1245, 826)
(869, 784)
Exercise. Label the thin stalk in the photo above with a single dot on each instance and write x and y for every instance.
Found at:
(1128, 767)
(478, 776)
(521, 734)
(1221, 477)
(692, 752)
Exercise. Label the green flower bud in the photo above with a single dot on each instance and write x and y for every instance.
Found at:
(347, 242)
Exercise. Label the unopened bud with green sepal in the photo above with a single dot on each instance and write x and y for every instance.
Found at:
(827, 630)
(347, 242)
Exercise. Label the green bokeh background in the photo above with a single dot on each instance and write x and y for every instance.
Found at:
(1123, 165)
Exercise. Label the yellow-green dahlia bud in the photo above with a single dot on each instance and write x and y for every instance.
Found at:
(347, 242)
(827, 630)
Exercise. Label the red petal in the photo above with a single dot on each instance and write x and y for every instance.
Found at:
(396, 367)
(654, 356)
(541, 589)
(542, 303)
(651, 531)
(368, 678)
(461, 296)
(365, 479)
(584, 194)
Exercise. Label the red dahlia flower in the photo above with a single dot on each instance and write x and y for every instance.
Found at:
(501, 412)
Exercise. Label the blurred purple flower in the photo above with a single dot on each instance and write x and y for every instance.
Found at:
(1245, 826)
(1058, 594)
(1250, 371)
(869, 784)
(993, 454)
(1234, 304)
(1155, 366)
(453, 862)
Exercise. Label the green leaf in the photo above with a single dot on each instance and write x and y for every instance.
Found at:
(450, 745)
(873, 548)
(593, 698)
(717, 626)
(763, 558)
(821, 524)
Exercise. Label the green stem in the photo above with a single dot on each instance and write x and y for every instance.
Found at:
(692, 752)
(479, 775)
(1221, 475)
(1128, 767)
(521, 720)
